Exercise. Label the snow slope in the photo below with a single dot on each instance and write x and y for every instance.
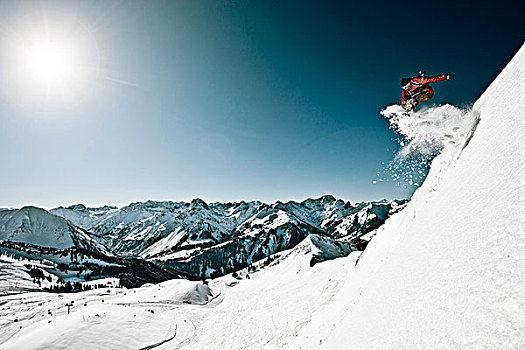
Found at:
(98, 319)
(447, 272)
(14, 277)
(135, 328)
(267, 310)
(256, 310)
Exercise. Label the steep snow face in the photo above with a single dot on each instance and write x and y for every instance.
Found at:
(447, 272)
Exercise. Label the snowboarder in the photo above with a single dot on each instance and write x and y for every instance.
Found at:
(418, 89)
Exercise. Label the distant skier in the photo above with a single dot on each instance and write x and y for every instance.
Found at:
(418, 89)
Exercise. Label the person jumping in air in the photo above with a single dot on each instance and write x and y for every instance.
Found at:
(418, 89)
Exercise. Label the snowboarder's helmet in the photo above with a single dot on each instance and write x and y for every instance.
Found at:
(421, 73)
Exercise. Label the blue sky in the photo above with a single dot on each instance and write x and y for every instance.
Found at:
(231, 100)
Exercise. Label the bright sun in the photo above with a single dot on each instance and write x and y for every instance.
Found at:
(49, 63)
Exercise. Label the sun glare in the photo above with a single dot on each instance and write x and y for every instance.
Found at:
(49, 63)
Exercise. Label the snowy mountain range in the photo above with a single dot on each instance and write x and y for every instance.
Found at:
(196, 239)
(208, 240)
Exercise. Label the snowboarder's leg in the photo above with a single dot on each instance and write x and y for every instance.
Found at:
(410, 104)
(405, 98)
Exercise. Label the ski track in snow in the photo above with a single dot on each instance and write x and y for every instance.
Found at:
(143, 318)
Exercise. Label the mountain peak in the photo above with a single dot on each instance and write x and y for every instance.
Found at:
(77, 207)
(197, 202)
(35, 226)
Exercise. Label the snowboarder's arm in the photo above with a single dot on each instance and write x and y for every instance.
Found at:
(427, 80)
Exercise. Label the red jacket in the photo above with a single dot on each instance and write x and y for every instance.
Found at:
(420, 84)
